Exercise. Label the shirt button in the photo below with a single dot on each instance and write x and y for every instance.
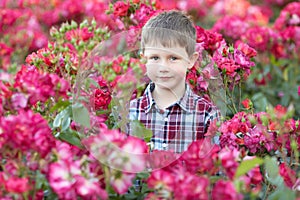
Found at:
(166, 119)
(164, 145)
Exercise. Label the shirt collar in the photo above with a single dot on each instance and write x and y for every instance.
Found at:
(149, 99)
(186, 102)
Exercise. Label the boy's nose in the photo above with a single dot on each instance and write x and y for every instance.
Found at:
(163, 68)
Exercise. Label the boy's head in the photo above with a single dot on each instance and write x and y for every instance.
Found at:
(170, 29)
(168, 45)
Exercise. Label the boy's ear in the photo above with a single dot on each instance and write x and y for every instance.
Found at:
(193, 59)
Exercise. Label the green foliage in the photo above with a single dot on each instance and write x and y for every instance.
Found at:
(280, 81)
(246, 165)
(81, 114)
(139, 130)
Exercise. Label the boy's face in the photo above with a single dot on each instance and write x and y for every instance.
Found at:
(167, 67)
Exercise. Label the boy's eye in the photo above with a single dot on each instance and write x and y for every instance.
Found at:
(173, 58)
(154, 58)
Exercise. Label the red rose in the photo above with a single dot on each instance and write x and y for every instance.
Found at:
(247, 104)
(101, 98)
(121, 8)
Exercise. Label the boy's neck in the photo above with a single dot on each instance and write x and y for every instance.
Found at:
(166, 97)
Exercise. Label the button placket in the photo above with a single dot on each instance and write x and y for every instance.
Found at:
(166, 120)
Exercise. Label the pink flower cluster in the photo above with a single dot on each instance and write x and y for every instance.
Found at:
(235, 62)
(288, 26)
(288, 175)
(231, 27)
(201, 156)
(186, 177)
(20, 24)
(74, 175)
(258, 139)
(142, 14)
(229, 160)
(36, 86)
(239, 131)
(124, 155)
(80, 34)
(14, 184)
(282, 40)
(26, 143)
(47, 60)
(177, 184)
(121, 8)
(225, 190)
(5, 55)
(26, 131)
(211, 41)
(260, 133)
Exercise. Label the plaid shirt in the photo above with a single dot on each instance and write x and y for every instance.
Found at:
(176, 127)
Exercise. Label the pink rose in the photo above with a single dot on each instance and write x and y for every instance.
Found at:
(288, 175)
(17, 185)
(121, 8)
(225, 190)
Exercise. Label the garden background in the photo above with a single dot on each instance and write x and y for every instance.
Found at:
(68, 67)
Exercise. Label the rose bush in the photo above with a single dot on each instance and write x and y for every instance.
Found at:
(67, 75)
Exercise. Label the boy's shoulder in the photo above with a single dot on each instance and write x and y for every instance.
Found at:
(145, 100)
(139, 102)
(201, 102)
(201, 99)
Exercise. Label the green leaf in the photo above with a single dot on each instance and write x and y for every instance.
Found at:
(285, 99)
(130, 196)
(282, 193)
(81, 115)
(260, 101)
(59, 119)
(60, 105)
(143, 175)
(139, 130)
(65, 124)
(40, 180)
(71, 137)
(272, 171)
(247, 165)
(214, 179)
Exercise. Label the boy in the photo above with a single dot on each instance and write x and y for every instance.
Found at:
(169, 108)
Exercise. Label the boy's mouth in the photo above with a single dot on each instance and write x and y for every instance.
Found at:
(164, 78)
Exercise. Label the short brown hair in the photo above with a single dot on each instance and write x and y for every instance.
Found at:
(170, 28)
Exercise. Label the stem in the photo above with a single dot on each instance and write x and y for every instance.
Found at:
(107, 175)
(266, 193)
(240, 95)
(230, 94)
(232, 101)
